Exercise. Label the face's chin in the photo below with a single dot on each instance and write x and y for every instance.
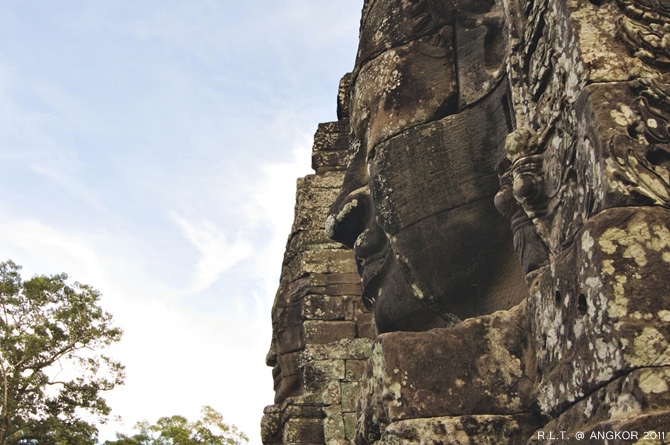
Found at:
(285, 386)
(386, 290)
(276, 377)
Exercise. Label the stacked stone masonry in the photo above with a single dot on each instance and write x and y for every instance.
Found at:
(322, 333)
(492, 208)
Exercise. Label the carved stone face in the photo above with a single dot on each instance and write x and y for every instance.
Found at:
(285, 373)
(417, 200)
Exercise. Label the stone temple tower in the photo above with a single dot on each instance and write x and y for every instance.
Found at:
(483, 253)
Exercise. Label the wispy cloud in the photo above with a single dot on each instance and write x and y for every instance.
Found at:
(217, 254)
(20, 237)
(271, 208)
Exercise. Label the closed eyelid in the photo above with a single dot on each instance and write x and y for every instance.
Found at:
(371, 155)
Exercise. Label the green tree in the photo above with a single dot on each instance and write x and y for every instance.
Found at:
(52, 374)
(210, 429)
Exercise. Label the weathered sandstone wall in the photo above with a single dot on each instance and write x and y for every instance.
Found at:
(498, 189)
(322, 333)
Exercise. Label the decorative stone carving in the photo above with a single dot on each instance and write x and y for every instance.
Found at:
(645, 28)
(417, 200)
(531, 249)
(592, 172)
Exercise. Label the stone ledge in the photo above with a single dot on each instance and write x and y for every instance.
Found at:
(478, 367)
(639, 401)
(461, 430)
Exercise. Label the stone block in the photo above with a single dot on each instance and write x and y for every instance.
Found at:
(295, 290)
(386, 24)
(348, 349)
(599, 43)
(333, 424)
(350, 393)
(350, 426)
(323, 370)
(289, 363)
(323, 393)
(354, 304)
(308, 240)
(290, 340)
(297, 408)
(428, 81)
(354, 370)
(288, 316)
(637, 402)
(416, 166)
(321, 262)
(462, 430)
(289, 386)
(338, 278)
(329, 160)
(316, 198)
(365, 326)
(319, 307)
(618, 160)
(320, 332)
(359, 306)
(343, 97)
(305, 220)
(303, 431)
(479, 366)
(271, 425)
(328, 180)
(332, 136)
(331, 393)
(343, 289)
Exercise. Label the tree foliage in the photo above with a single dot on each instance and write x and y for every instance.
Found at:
(210, 429)
(52, 373)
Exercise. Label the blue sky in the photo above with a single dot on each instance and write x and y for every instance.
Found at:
(150, 149)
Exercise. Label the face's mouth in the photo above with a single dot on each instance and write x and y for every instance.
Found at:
(371, 250)
(276, 376)
(347, 216)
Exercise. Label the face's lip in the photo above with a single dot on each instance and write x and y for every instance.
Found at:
(347, 216)
(276, 376)
(371, 260)
(371, 244)
(371, 251)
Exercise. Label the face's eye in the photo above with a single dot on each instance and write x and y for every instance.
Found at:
(371, 155)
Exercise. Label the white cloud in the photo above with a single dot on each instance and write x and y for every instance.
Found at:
(217, 254)
(179, 361)
(45, 247)
(272, 201)
(274, 195)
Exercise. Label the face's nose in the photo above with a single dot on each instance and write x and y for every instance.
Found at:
(271, 356)
(349, 215)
